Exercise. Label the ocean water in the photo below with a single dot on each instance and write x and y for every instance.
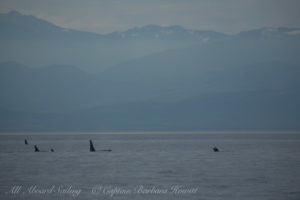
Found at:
(174, 165)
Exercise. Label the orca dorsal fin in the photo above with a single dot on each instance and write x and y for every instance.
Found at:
(92, 148)
(26, 142)
(36, 149)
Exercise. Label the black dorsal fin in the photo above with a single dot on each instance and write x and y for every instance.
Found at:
(36, 149)
(92, 148)
(26, 142)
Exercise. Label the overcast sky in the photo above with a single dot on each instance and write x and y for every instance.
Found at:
(103, 16)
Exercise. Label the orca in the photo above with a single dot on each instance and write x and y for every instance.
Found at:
(36, 149)
(216, 149)
(52, 150)
(92, 148)
(25, 141)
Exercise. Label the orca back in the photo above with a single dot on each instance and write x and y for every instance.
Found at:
(216, 149)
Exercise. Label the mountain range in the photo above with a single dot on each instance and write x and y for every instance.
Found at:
(35, 42)
(146, 78)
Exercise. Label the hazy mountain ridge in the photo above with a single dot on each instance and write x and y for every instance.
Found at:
(49, 89)
(34, 42)
(271, 31)
(15, 25)
(272, 103)
(63, 88)
(171, 79)
(265, 110)
(168, 32)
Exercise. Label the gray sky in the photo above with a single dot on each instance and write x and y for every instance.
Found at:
(102, 16)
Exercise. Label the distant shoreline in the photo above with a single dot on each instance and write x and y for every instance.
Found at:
(148, 132)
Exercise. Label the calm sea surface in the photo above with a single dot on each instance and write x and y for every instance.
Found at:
(175, 165)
